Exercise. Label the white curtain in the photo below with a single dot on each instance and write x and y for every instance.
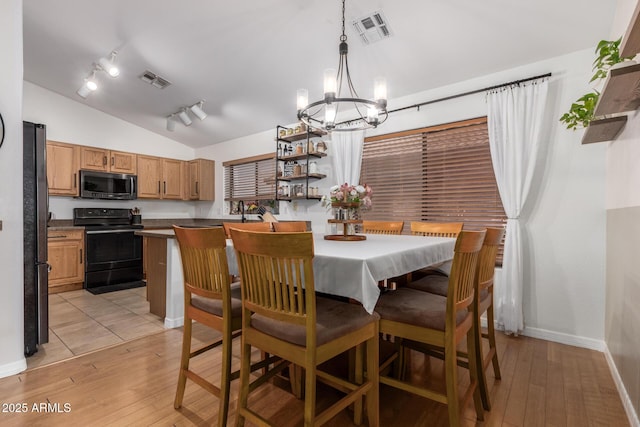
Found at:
(346, 156)
(515, 123)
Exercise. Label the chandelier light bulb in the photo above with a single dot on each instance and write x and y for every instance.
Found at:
(302, 98)
(380, 90)
(372, 115)
(330, 83)
(330, 115)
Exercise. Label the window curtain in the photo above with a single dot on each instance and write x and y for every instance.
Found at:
(346, 156)
(515, 122)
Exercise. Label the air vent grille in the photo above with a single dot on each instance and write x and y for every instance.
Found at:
(154, 80)
(372, 27)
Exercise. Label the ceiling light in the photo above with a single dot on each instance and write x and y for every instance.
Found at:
(197, 110)
(184, 117)
(325, 114)
(88, 86)
(171, 124)
(108, 65)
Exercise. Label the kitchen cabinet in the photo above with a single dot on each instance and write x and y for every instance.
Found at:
(66, 258)
(160, 178)
(200, 180)
(100, 159)
(297, 151)
(62, 168)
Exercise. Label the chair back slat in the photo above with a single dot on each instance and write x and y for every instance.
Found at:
(463, 272)
(204, 260)
(488, 254)
(382, 227)
(436, 229)
(277, 273)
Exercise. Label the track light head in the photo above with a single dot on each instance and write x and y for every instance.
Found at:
(198, 111)
(88, 86)
(171, 123)
(108, 65)
(184, 117)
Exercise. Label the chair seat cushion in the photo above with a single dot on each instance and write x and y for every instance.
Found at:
(214, 306)
(417, 308)
(333, 320)
(438, 285)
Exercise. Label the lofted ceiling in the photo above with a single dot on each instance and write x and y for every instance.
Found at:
(247, 58)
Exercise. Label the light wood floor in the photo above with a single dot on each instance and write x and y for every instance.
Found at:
(544, 384)
(80, 322)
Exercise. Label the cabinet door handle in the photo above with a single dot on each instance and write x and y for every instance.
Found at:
(104, 160)
(197, 192)
(75, 181)
(112, 161)
(58, 236)
(158, 187)
(164, 184)
(80, 255)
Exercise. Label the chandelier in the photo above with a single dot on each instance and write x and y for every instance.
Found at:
(337, 113)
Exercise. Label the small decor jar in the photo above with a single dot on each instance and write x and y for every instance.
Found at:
(322, 147)
(313, 167)
(297, 170)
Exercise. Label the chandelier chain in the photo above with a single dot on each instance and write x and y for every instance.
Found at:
(343, 37)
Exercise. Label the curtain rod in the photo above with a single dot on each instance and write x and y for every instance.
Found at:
(459, 95)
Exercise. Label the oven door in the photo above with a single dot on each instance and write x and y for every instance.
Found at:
(112, 257)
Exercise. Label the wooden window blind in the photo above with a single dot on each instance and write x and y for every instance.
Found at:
(251, 178)
(438, 174)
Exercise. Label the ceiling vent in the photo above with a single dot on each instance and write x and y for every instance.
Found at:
(154, 80)
(372, 27)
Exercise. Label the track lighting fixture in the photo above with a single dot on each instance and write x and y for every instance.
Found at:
(89, 85)
(183, 115)
(197, 110)
(108, 65)
(171, 123)
(103, 64)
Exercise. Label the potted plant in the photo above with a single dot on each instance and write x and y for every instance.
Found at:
(581, 112)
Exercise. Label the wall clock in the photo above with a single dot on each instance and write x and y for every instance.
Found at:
(1, 131)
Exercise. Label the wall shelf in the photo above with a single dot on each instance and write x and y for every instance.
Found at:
(630, 45)
(604, 129)
(621, 91)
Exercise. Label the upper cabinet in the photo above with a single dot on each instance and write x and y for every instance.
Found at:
(160, 178)
(100, 159)
(62, 168)
(200, 179)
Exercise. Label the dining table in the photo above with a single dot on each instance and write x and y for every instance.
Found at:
(353, 269)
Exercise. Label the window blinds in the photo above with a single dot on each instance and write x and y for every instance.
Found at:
(250, 179)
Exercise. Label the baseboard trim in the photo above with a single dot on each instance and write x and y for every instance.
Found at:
(13, 368)
(559, 337)
(173, 323)
(622, 391)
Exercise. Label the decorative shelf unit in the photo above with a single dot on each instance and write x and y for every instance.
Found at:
(344, 213)
(295, 152)
(621, 92)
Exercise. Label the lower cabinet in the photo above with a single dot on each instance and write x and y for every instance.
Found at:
(66, 258)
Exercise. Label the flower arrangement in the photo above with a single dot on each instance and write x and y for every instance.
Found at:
(345, 193)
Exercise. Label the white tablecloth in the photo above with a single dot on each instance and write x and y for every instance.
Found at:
(353, 269)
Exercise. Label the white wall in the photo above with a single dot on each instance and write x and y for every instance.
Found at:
(71, 121)
(565, 216)
(11, 248)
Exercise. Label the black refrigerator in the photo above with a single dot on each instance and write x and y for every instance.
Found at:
(36, 211)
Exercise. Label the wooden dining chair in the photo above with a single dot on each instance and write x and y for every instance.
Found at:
(253, 226)
(290, 226)
(382, 227)
(283, 316)
(212, 300)
(483, 302)
(433, 229)
(209, 299)
(441, 323)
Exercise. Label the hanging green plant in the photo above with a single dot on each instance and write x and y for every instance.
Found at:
(581, 112)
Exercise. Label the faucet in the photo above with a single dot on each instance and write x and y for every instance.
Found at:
(241, 208)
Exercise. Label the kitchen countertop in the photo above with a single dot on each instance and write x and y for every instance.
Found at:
(164, 233)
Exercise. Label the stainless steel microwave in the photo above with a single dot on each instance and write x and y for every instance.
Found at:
(111, 186)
